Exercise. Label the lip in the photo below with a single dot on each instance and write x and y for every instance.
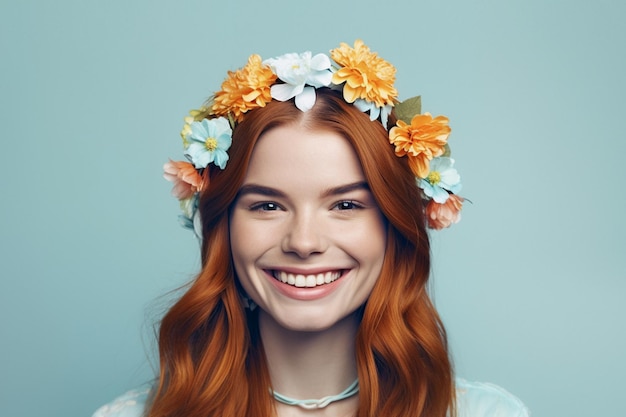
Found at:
(306, 293)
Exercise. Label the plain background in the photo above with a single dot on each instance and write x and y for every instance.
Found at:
(530, 283)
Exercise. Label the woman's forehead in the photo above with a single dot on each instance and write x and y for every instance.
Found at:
(296, 154)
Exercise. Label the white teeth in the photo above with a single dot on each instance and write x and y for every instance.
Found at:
(319, 280)
(309, 281)
(300, 281)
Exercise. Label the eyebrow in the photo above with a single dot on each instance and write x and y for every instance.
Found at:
(273, 192)
(259, 189)
(342, 189)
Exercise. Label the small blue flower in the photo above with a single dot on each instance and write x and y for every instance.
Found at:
(441, 179)
(208, 141)
(190, 217)
(375, 111)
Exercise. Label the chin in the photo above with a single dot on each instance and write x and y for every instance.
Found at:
(312, 319)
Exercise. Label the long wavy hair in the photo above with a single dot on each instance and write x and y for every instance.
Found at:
(211, 357)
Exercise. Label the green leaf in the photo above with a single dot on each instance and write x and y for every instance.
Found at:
(408, 108)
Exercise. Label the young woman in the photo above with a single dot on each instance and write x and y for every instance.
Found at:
(311, 188)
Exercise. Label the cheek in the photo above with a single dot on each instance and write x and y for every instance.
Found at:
(240, 247)
(246, 236)
(249, 239)
(375, 246)
(370, 240)
(238, 243)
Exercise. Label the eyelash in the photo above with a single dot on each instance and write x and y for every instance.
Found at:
(265, 206)
(348, 205)
(271, 206)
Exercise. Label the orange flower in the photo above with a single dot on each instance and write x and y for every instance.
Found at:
(367, 76)
(440, 216)
(424, 139)
(244, 90)
(185, 177)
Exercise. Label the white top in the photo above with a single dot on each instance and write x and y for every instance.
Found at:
(474, 399)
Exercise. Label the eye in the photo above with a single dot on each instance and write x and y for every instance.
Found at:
(265, 206)
(347, 205)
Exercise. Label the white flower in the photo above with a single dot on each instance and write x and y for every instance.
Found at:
(441, 179)
(301, 74)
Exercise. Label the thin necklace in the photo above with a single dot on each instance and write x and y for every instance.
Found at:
(322, 402)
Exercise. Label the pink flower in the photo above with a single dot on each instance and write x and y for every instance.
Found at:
(185, 177)
(440, 216)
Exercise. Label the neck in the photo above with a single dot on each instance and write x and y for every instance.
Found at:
(305, 365)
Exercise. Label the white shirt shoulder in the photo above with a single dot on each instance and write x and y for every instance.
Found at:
(474, 399)
(131, 404)
(480, 399)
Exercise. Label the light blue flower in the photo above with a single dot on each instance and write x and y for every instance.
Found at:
(301, 74)
(374, 110)
(442, 178)
(190, 217)
(208, 141)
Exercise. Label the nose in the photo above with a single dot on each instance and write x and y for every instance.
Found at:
(304, 236)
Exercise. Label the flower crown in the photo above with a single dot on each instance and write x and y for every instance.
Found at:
(366, 81)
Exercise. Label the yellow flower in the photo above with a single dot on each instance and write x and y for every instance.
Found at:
(244, 89)
(366, 75)
(194, 116)
(424, 139)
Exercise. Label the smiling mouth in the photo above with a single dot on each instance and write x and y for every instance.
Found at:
(306, 281)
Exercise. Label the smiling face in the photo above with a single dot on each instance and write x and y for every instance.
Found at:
(307, 237)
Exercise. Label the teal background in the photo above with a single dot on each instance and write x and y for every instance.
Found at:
(530, 283)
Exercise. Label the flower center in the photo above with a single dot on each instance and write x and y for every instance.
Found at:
(211, 144)
(433, 178)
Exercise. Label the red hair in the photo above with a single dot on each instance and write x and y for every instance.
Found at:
(211, 357)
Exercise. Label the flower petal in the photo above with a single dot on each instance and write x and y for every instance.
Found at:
(199, 132)
(320, 79)
(199, 155)
(182, 190)
(364, 74)
(440, 195)
(362, 105)
(244, 90)
(283, 92)
(440, 216)
(384, 115)
(374, 112)
(220, 158)
(306, 99)
(320, 62)
(222, 125)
